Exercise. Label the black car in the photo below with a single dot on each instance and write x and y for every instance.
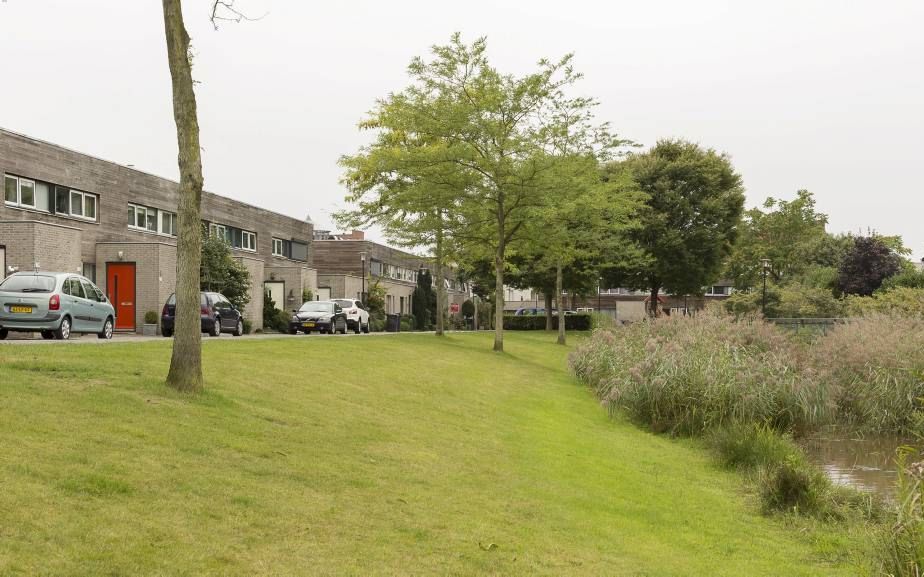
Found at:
(322, 316)
(217, 313)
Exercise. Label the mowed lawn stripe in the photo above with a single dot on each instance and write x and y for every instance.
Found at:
(407, 455)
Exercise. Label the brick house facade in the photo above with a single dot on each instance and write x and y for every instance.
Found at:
(67, 211)
(342, 260)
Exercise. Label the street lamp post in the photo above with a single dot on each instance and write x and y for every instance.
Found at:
(765, 265)
(362, 258)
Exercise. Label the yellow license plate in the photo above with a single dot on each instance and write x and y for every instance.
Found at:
(308, 325)
(18, 309)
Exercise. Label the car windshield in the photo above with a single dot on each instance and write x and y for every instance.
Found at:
(317, 307)
(28, 284)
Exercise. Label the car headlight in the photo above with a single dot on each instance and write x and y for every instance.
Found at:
(295, 319)
(325, 318)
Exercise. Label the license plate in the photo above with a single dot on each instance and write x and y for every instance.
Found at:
(21, 309)
(308, 325)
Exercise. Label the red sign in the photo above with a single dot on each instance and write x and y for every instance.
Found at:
(454, 308)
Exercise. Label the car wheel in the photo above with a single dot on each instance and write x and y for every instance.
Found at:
(64, 331)
(239, 329)
(343, 328)
(366, 328)
(293, 331)
(216, 328)
(106, 333)
(3, 334)
(359, 326)
(48, 335)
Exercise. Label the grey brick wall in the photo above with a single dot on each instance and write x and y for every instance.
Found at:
(55, 248)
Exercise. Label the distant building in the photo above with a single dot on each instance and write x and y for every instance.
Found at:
(347, 263)
(67, 211)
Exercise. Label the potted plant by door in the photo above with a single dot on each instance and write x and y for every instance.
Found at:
(149, 328)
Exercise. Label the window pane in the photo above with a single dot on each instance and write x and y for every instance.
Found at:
(62, 206)
(152, 220)
(26, 192)
(76, 203)
(131, 215)
(41, 196)
(89, 206)
(88, 290)
(9, 189)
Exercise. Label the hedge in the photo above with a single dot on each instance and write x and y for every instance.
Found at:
(537, 322)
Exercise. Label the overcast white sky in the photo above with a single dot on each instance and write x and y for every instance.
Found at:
(824, 95)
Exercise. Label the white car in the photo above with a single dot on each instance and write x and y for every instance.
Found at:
(356, 314)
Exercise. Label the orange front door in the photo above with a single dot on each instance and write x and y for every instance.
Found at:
(120, 286)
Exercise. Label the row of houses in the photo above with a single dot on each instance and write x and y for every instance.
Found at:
(68, 211)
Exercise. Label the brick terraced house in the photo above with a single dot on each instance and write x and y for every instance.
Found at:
(68, 211)
(342, 259)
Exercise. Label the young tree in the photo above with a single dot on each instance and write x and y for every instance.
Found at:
(690, 219)
(186, 360)
(185, 372)
(867, 265)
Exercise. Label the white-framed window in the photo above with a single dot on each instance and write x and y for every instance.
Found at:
(248, 241)
(278, 247)
(167, 223)
(82, 205)
(218, 230)
(18, 191)
(149, 219)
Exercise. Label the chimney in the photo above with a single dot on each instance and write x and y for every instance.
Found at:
(357, 235)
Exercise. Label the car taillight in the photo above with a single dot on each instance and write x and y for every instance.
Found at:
(166, 310)
(54, 303)
(204, 310)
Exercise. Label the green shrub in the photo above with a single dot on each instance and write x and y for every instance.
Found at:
(151, 318)
(376, 323)
(793, 486)
(580, 322)
(408, 323)
(248, 326)
(750, 446)
(900, 301)
(273, 318)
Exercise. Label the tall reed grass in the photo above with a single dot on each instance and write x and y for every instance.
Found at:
(689, 375)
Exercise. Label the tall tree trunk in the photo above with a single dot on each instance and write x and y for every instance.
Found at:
(548, 312)
(499, 299)
(654, 300)
(561, 309)
(186, 361)
(440, 284)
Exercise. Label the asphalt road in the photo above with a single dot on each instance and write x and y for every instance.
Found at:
(26, 339)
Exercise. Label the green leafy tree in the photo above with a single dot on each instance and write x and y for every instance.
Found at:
(375, 299)
(689, 222)
(789, 234)
(219, 272)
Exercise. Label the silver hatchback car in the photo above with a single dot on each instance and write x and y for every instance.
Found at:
(55, 304)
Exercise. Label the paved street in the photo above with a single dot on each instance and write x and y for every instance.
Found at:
(26, 339)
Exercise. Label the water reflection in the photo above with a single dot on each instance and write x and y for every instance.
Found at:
(867, 464)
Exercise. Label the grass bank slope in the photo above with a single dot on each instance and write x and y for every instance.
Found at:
(399, 455)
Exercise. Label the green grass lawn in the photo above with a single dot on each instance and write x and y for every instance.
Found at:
(401, 455)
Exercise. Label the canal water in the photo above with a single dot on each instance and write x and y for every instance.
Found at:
(867, 464)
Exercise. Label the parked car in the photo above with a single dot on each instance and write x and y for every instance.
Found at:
(529, 311)
(356, 315)
(55, 304)
(216, 312)
(322, 316)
